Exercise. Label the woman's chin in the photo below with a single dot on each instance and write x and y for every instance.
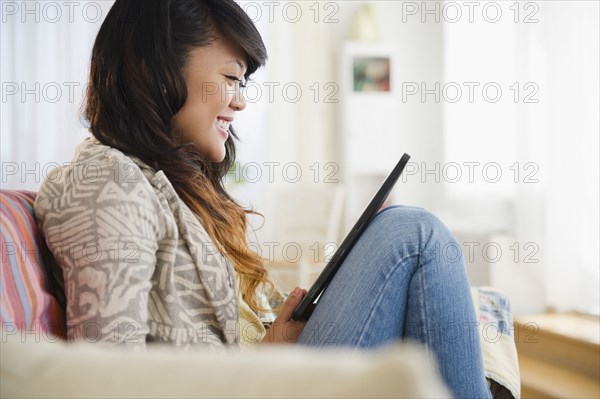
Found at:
(218, 156)
(213, 154)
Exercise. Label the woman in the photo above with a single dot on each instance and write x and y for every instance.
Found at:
(153, 249)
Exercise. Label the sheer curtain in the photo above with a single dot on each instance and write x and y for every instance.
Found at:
(566, 46)
(45, 51)
(545, 137)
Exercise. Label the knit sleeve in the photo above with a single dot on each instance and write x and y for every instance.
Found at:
(102, 225)
(272, 302)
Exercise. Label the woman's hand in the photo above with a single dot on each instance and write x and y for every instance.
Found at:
(284, 330)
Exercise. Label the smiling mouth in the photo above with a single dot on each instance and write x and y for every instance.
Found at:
(223, 124)
(222, 128)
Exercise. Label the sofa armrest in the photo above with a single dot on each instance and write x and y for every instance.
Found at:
(43, 369)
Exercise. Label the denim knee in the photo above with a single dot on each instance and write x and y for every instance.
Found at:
(412, 225)
(414, 214)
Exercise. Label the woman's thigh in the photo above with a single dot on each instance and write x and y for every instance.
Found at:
(366, 302)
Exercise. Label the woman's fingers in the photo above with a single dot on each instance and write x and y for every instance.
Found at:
(290, 304)
(283, 329)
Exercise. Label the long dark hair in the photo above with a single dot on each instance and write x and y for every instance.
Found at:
(136, 86)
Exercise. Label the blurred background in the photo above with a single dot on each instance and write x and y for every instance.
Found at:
(496, 102)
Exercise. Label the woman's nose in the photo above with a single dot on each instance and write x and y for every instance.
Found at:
(238, 102)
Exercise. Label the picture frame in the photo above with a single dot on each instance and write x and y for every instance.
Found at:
(371, 73)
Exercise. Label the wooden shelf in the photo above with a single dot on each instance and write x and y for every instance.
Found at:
(540, 379)
(559, 355)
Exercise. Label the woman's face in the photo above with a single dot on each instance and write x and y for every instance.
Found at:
(213, 76)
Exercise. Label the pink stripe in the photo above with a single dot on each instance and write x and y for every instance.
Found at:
(12, 293)
(18, 224)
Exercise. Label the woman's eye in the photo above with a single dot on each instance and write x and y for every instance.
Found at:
(236, 80)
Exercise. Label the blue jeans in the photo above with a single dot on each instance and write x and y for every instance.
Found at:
(405, 279)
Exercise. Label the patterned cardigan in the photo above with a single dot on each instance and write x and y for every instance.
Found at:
(137, 264)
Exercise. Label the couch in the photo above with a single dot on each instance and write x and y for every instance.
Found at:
(37, 360)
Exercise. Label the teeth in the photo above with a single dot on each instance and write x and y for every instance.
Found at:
(223, 124)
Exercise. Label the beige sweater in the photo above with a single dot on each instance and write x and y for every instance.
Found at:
(138, 265)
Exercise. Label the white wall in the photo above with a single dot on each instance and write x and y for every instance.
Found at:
(306, 53)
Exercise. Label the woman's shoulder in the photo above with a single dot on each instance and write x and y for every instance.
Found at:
(91, 157)
(99, 174)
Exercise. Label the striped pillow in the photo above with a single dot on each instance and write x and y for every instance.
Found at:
(28, 306)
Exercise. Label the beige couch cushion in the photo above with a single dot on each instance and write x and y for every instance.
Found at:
(82, 370)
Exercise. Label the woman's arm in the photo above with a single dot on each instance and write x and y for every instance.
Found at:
(104, 233)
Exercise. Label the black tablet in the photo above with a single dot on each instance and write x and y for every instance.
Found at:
(308, 303)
